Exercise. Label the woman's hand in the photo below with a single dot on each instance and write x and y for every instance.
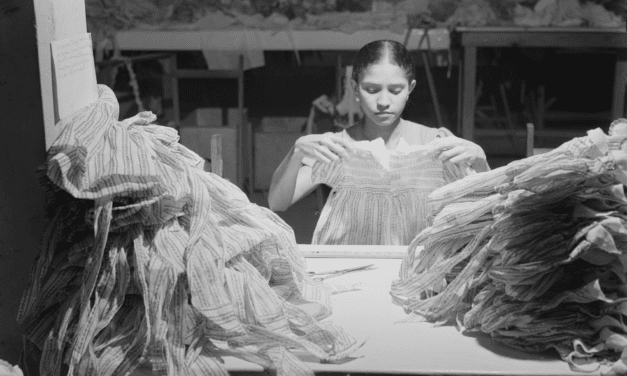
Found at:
(456, 150)
(326, 147)
(324, 104)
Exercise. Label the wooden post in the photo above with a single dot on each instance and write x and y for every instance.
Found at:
(530, 139)
(27, 107)
(216, 154)
(338, 78)
(460, 95)
(55, 20)
(620, 83)
(470, 78)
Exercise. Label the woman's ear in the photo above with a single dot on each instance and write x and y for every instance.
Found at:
(355, 87)
(412, 85)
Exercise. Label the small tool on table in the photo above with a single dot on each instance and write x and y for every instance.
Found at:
(335, 273)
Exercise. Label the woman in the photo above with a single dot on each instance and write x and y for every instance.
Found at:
(358, 211)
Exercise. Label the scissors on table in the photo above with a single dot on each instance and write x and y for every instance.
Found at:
(335, 273)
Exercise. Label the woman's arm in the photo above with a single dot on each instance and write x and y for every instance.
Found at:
(292, 180)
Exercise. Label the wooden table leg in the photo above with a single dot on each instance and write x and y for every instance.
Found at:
(620, 80)
(470, 80)
(460, 96)
(168, 66)
(171, 88)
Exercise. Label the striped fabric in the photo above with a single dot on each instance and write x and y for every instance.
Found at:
(531, 254)
(379, 195)
(148, 257)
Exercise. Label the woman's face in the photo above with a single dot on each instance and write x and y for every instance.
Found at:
(383, 92)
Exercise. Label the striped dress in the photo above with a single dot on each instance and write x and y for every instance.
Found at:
(379, 195)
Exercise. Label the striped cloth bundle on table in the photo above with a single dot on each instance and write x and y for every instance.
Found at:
(533, 253)
(148, 258)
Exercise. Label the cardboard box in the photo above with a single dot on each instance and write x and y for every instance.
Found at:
(270, 149)
(204, 117)
(214, 117)
(198, 139)
(198, 127)
(283, 124)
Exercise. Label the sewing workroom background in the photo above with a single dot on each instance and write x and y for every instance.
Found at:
(299, 187)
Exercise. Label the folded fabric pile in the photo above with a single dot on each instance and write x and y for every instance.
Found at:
(571, 13)
(533, 253)
(148, 259)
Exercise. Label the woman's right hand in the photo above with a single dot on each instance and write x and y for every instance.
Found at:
(324, 104)
(327, 147)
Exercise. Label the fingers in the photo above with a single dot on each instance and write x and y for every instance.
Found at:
(323, 157)
(462, 158)
(340, 146)
(326, 148)
(334, 149)
(448, 155)
(440, 145)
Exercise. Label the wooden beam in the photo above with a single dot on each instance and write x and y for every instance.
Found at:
(470, 82)
(620, 83)
(54, 20)
(542, 38)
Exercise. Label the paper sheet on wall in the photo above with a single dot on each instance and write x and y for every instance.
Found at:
(74, 74)
(249, 47)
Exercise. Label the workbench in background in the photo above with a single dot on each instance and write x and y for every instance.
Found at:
(241, 42)
(470, 40)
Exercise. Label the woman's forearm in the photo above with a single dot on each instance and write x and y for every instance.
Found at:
(284, 181)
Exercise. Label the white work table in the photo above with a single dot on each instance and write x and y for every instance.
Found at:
(414, 348)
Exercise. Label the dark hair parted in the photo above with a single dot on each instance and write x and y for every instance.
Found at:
(377, 51)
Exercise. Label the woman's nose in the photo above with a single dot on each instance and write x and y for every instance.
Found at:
(383, 100)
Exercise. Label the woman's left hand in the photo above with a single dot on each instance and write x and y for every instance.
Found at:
(456, 150)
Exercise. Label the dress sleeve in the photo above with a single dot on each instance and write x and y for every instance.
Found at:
(330, 174)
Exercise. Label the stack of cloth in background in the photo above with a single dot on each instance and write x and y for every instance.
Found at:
(533, 253)
(149, 260)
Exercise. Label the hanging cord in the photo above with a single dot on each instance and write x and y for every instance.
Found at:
(133, 83)
(290, 36)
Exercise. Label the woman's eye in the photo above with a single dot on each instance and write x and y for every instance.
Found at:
(371, 90)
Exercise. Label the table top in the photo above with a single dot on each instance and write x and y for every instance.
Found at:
(537, 29)
(353, 251)
(368, 313)
(272, 40)
(572, 37)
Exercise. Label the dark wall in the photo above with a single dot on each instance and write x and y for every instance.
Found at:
(22, 150)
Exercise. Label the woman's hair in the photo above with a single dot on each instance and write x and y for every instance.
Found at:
(377, 51)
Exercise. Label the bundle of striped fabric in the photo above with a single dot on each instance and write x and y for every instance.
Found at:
(533, 253)
(148, 259)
